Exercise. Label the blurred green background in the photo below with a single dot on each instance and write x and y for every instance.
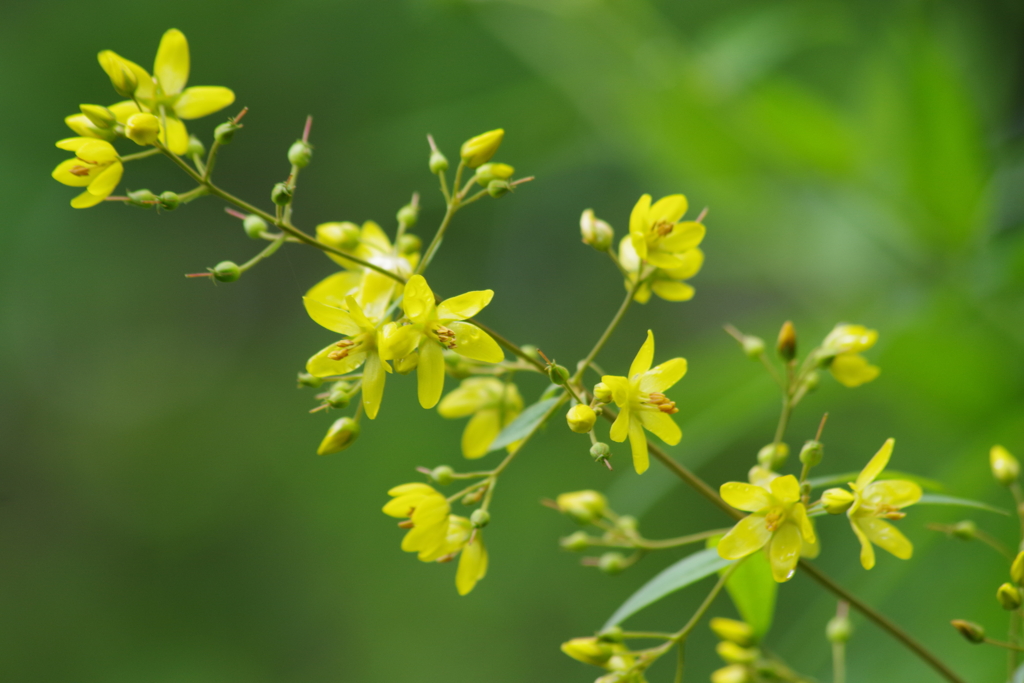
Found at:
(163, 516)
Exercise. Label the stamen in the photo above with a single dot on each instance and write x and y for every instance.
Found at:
(80, 171)
(445, 336)
(774, 519)
(405, 524)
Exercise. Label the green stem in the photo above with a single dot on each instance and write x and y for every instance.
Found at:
(679, 541)
(1008, 646)
(838, 662)
(435, 243)
(585, 363)
(139, 155)
(268, 251)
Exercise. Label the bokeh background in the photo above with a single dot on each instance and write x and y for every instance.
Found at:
(163, 515)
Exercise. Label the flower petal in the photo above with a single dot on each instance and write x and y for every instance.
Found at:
(81, 124)
(399, 342)
(176, 137)
(692, 260)
(63, 173)
(886, 536)
(668, 209)
(686, 235)
(430, 373)
(786, 489)
(332, 317)
(172, 62)
(472, 565)
(322, 366)
(638, 222)
(620, 428)
(661, 425)
(619, 387)
(480, 432)
(867, 553)
(464, 305)
(202, 100)
(799, 516)
(85, 200)
(746, 497)
(638, 443)
(644, 357)
(333, 289)
(876, 464)
(784, 552)
(105, 183)
(111, 62)
(897, 493)
(852, 370)
(664, 376)
(749, 535)
(472, 342)
(73, 144)
(475, 393)
(671, 290)
(373, 384)
(418, 302)
(124, 110)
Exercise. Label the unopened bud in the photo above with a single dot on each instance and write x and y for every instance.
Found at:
(612, 634)
(627, 523)
(811, 381)
(600, 451)
(595, 231)
(339, 437)
(583, 506)
(786, 345)
(734, 673)
(734, 631)
(121, 75)
(142, 129)
(227, 271)
(773, 456)
(339, 398)
(731, 653)
(438, 162)
(473, 497)
(812, 453)
(343, 235)
(602, 393)
(588, 650)
(1017, 569)
(169, 201)
(497, 188)
(612, 563)
(408, 215)
(974, 633)
(530, 351)
(281, 194)
(492, 171)
(965, 530)
(442, 475)
(224, 133)
(1005, 467)
(300, 153)
(581, 418)
(409, 244)
(753, 346)
(143, 198)
(195, 147)
(576, 541)
(480, 518)
(1008, 596)
(839, 629)
(307, 380)
(479, 150)
(558, 374)
(836, 501)
(254, 226)
(100, 116)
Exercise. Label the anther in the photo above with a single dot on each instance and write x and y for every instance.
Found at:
(405, 524)
(445, 336)
(79, 171)
(773, 519)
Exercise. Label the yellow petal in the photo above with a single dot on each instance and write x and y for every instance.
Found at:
(407, 498)
(746, 497)
(111, 63)
(643, 294)
(321, 366)
(472, 342)
(620, 428)
(371, 235)
(668, 209)
(63, 174)
(480, 432)
(803, 522)
(692, 260)
(96, 151)
(846, 338)
(202, 100)
(684, 236)
(333, 289)
(418, 302)
(786, 489)
(472, 565)
(73, 144)
(627, 255)
(784, 552)
(172, 62)
(398, 342)
(853, 370)
(867, 553)
(464, 306)
(638, 222)
(664, 376)
(430, 373)
(886, 536)
(897, 493)
(472, 395)
(749, 535)
(644, 357)
(376, 292)
(619, 387)
(638, 444)
(332, 317)
(876, 464)
(85, 200)
(661, 425)
(81, 124)
(639, 243)
(663, 259)
(403, 489)
(373, 384)
(670, 290)
(124, 110)
(176, 137)
(107, 180)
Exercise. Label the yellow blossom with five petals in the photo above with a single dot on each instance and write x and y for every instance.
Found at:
(493, 405)
(667, 284)
(642, 403)
(658, 236)
(96, 167)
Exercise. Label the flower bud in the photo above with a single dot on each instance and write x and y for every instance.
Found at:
(195, 147)
(406, 364)
(612, 634)
(169, 201)
(479, 150)
(100, 116)
(965, 530)
(344, 235)
(254, 226)
(612, 563)
(497, 188)
(753, 346)
(224, 133)
(731, 653)
(1017, 569)
(836, 501)
(226, 271)
(773, 456)
(281, 194)
(811, 381)
(1005, 467)
(530, 351)
(480, 518)
(300, 153)
(812, 453)
(786, 345)
(121, 75)
(407, 215)
(581, 418)
(595, 231)
(142, 129)
(307, 380)
(627, 523)
(558, 374)
(1008, 596)
(409, 244)
(600, 451)
(583, 506)
(339, 437)
(339, 398)
(588, 650)
(734, 673)
(438, 162)
(734, 631)
(576, 541)
(143, 198)
(492, 171)
(838, 629)
(473, 497)
(602, 393)
(974, 633)
(442, 475)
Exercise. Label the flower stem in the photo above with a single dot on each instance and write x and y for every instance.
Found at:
(607, 333)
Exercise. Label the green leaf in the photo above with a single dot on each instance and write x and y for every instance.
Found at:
(522, 426)
(839, 479)
(935, 499)
(686, 571)
(752, 589)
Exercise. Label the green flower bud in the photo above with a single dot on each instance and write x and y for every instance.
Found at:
(479, 150)
(773, 456)
(812, 381)
(612, 634)
(558, 374)
(224, 133)
(438, 163)
(409, 244)
(100, 116)
(753, 346)
(492, 171)
(576, 541)
(786, 344)
(588, 650)
(595, 231)
(195, 147)
(731, 653)
(308, 380)
(965, 530)
(581, 418)
(254, 226)
(974, 633)
(583, 506)
(408, 215)
(627, 523)
(480, 518)
(497, 188)
(602, 393)
(734, 673)
(1017, 569)
(442, 475)
(343, 235)
(142, 129)
(812, 453)
(339, 437)
(473, 497)
(734, 631)
(1008, 596)
(226, 271)
(169, 201)
(600, 451)
(839, 629)
(530, 351)
(1005, 467)
(836, 501)
(300, 153)
(281, 194)
(612, 563)
(143, 198)
(339, 398)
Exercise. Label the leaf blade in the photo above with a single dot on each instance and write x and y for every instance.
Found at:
(524, 423)
(936, 499)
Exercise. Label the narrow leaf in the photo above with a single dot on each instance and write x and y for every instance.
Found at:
(936, 499)
(753, 591)
(522, 426)
(686, 571)
(839, 479)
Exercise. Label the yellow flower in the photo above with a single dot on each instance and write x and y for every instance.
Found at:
(876, 501)
(164, 93)
(96, 167)
(657, 235)
(843, 346)
(348, 354)
(779, 520)
(434, 327)
(143, 129)
(667, 284)
(493, 405)
(472, 563)
(82, 124)
(643, 404)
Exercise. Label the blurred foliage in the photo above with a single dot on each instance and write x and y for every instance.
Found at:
(164, 516)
